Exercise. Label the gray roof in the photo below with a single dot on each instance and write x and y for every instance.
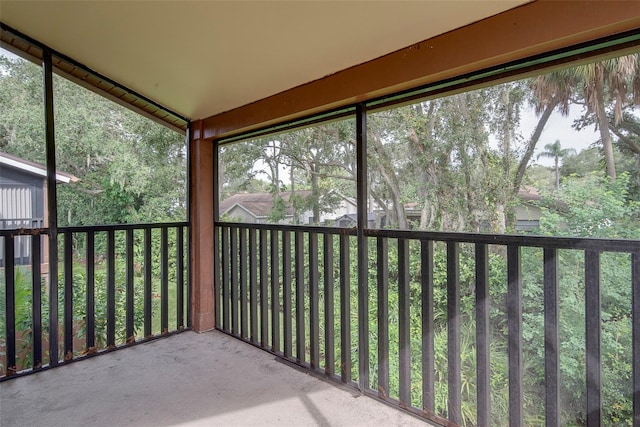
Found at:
(259, 204)
(33, 168)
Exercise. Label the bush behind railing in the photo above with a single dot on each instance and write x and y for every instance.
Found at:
(615, 290)
(23, 296)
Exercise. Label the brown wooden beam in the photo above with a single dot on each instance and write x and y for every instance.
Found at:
(532, 29)
(201, 200)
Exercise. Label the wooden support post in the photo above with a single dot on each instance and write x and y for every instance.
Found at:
(201, 192)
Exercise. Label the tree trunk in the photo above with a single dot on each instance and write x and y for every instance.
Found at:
(381, 202)
(315, 197)
(531, 147)
(385, 168)
(500, 221)
(425, 180)
(630, 144)
(603, 126)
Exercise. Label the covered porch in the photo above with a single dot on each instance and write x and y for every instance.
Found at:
(303, 324)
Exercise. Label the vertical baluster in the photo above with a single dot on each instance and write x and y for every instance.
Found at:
(453, 331)
(36, 306)
(551, 340)
(234, 280)
(54, 326)
(148, 268)
(635, 327)
(253, 284)
(189, 303)
(275, 293)
(483, 366)
(300, 332)
(404, 322)
(179, 278)
(217, 281)
(592, 341)
(286, 289)
(329, 329)
(264, 290)
(10, 304)
(224, 249)
(164, 280)
(514, 320)
(129, 324)
(345, 311)
(244, 333)
(111, 289)
(428, 349)
(68, 296)
(314, 316)
(383, 316)
(91, 307)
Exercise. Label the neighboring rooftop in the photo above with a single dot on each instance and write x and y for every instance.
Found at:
(260, 204)
(33, 168)
(529, 194)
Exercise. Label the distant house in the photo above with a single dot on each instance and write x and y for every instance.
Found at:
(23, 198)
(528, 211)
(256, 207)
(347, 208)
(351, 220)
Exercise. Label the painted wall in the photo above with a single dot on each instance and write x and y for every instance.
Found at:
(21, 206)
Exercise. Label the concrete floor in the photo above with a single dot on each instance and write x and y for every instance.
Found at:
(189, 379)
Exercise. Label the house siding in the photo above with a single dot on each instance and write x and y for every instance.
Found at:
(21, 206)
(237, 214)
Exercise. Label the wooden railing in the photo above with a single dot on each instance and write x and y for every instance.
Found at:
(446, 322)
(116, 286)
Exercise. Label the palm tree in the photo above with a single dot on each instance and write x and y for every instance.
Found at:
(598, 84)
(556, 152)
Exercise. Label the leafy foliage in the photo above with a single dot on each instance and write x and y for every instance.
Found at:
(592, 206)
(130, 169)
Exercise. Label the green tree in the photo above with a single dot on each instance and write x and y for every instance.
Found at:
(591, 206)
(321, 158)
(436, 155)
(22, 129)
(598, 86)
(130, 168)
(556, 152)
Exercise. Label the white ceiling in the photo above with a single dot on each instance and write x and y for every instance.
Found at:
(200, 58)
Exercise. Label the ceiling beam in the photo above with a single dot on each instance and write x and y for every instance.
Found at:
(531, 29)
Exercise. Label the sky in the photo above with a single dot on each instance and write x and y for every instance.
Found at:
(560, 128)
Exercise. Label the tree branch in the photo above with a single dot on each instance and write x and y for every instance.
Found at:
(632, 145)
(522, 166)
